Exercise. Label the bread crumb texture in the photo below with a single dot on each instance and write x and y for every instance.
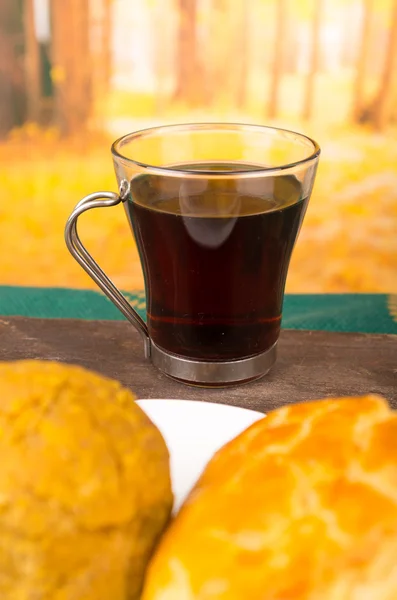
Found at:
(302, 505)
(84, 485)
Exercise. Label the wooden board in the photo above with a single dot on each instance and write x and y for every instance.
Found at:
(310, 365)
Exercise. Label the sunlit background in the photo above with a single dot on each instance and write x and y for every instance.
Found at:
(75, 74)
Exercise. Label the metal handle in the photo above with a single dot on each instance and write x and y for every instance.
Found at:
(78, 251)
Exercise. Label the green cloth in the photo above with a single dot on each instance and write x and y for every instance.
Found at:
(367, 313)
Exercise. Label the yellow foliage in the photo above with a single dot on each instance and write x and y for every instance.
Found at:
(58, 74)
(348, 241)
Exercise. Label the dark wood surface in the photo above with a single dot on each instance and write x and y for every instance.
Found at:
(311, 364)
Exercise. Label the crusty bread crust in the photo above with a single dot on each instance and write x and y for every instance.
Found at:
(85, 488)
(302, 505)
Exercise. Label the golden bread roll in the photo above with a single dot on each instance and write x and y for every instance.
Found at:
(302, 505)
(84, 485)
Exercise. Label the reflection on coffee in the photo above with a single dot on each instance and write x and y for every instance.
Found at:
(215, 255)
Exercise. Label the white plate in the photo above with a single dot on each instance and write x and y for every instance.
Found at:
(193, 432)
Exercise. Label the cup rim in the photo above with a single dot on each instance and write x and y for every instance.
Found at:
(261, 171)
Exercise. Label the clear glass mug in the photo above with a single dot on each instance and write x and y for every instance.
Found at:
(215, 210)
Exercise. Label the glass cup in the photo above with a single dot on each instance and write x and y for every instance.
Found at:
(215, 210)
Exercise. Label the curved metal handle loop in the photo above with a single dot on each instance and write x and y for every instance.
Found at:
(85, 260)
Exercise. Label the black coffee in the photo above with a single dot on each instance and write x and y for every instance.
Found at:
(215, 254)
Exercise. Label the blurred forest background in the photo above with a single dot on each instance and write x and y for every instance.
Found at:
(75, 74)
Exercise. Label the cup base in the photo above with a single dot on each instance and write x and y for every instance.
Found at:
(213, 373)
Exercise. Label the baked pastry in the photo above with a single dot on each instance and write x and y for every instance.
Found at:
(84, 485)
(302, 505)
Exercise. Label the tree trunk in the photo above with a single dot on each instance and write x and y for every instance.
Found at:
(314, 60)
(362, 64)
(32, 64)
(242, 58)
(100, 51)
(71, 64)
(227, 56)
(161, 49)
(12, 81)
(188, 64)
(278, 62)
(107, 44)
(385, 101)
(217, 71)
